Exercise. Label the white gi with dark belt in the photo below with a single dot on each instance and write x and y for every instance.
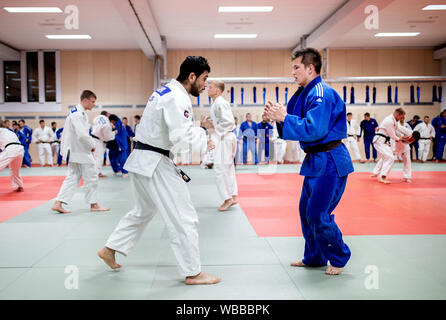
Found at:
(167, 121)
(11, 156)
(387, 128)
(225, 148)
(102, 132)
(78, 144)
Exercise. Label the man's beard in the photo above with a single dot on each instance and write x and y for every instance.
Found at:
(194, 90)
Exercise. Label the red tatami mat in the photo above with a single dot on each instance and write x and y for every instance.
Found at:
(38, 190)
(367, 207)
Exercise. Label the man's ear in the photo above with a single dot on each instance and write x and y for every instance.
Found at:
(192, 77)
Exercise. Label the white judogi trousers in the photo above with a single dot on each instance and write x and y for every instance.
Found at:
(224, 167)
(407, 164)
(387, 157)
(165, 192)
(352, 144)
(424, 146)
(98, 154)
(280, 149)
(76, 171)
(300, 153)
(12, 156)
(45, 149)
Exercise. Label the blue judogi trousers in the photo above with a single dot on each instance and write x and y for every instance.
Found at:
(440, 147)
(368, 141)
(263, 145)
(249, 144)
(26, 156)
(117, 160)
(323, 239)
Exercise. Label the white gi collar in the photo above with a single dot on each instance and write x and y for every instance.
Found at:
(177, 84)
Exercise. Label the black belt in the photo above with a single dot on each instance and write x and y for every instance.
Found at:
(384, 136)
(424, 138)
(351, 135)
(93, 136)
(11, 143)
(148, 147)
(323, 147)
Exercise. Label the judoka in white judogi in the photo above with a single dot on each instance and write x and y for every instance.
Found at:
(77, 143)
(101, 132)
(225, 147)
(11, 156)
(156, 182)
(43, 136)
(427, 134)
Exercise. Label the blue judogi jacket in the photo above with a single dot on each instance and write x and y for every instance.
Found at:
(121, 136)
(247, 130)
(28, 132)
(21, 136)
(263, 131)
(368, 127)
(318, 117)
(129, 130)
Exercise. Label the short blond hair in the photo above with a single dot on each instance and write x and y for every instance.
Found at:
(219, 84)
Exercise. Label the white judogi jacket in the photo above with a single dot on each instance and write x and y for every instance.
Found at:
(102, 128)
(76, 137)
(353, 128)
(167, 123)
(425, 130)
(402, 131)
(222, 117)
(7, 136)
(44, 135)
(388, 127)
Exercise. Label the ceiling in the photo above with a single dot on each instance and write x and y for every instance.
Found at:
(191, 24)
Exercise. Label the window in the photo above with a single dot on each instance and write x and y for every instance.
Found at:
(49, 60)
(11, 72)
(32, 76)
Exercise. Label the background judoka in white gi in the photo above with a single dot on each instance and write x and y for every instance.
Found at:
(43, 136)
(167, 121)
(427, 134)
(353, 132)
(11, 156)
(102, 129)
(77, 143)
(225, 147)
(388, 128)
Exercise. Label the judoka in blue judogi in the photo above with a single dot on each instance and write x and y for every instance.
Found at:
(317, 120)
(264, 130)
(118, 148)
(249, 133)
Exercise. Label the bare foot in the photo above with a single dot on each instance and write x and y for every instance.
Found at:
(332, 271)
(125, 175)
(383, 180)
(226, 205)
(108, 255)
(298, 264)
(234, 201)
(100, 175)
(407, 180)
(19, 189)
(374, 175)
(202, 278)
(57, 206)
(95, 207)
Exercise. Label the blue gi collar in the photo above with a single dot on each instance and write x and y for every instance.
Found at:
(311, 85)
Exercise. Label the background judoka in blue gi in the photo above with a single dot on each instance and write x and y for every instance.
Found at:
(316, 117)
